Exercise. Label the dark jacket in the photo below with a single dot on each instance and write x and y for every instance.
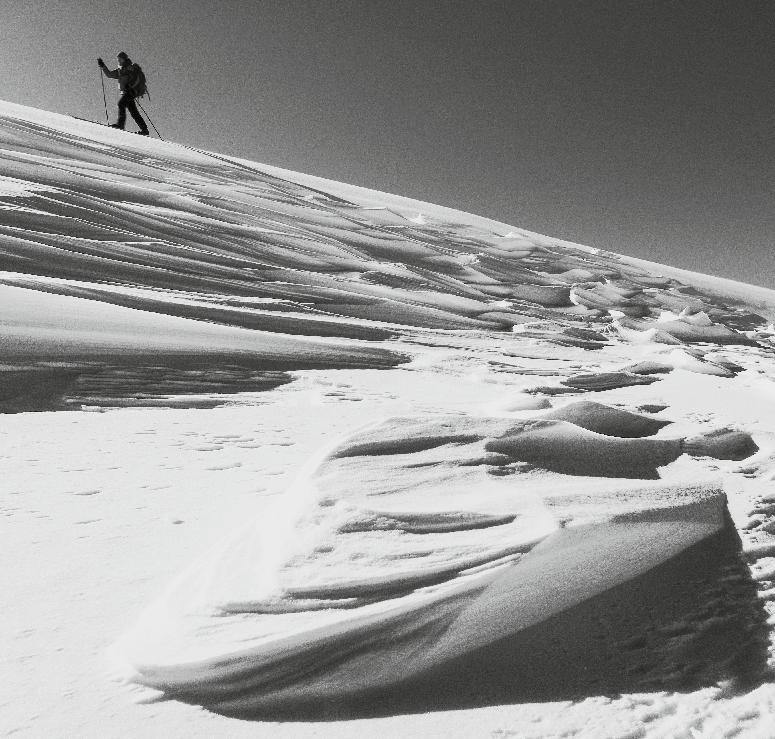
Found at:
(127, 76)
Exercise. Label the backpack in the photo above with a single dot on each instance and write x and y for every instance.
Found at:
(140, 87)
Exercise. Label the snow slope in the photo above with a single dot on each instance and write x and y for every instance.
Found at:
(480, 482)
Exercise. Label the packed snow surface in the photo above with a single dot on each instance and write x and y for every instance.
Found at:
(306, 459)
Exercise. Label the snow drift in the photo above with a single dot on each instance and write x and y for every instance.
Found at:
(385, 572)
(418, 542)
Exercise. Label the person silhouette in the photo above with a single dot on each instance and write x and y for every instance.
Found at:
(130, 83)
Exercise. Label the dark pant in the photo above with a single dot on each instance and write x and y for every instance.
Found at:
(127, 103)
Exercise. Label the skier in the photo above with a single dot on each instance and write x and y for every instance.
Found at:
(131, 82)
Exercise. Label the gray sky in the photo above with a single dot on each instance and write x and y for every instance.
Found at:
(640, 126)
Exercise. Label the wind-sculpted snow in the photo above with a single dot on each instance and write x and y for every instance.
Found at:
(89, 212)
(562, 494)
(422, 541)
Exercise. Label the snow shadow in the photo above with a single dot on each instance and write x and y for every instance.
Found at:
(688, 623)
(50, 388)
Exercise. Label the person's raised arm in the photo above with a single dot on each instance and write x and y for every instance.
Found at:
(107, 72)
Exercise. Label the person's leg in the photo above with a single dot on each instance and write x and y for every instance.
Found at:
(122, 104)
(132, 108)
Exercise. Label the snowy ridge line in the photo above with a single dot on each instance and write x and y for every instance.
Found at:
(500, 273)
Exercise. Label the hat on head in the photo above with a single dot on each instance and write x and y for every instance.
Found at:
(122, 55)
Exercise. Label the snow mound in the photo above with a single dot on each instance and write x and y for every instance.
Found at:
(414, 545)
(605, 420)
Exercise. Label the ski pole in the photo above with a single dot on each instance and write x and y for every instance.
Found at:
(149, 120)
(104, 99)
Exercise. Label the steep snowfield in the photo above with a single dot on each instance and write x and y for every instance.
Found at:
(288, 450)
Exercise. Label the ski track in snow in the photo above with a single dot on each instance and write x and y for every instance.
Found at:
(480, 482)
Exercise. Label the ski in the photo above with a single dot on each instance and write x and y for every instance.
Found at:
(107, 125)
